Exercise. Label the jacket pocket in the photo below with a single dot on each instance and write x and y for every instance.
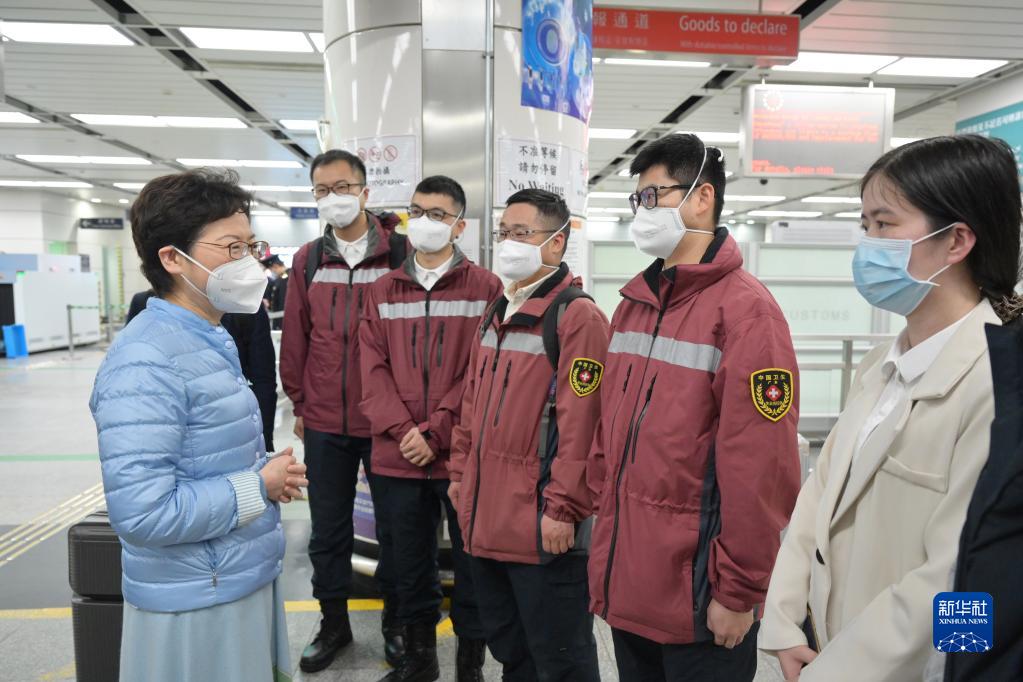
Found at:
(641, 417)
(415, 332)
(935, 482)
(504, 393)
(333, 307)
(440, 344)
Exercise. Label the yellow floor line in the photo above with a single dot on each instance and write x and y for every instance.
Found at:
(445, 629)
(35, 614)
(66, 673)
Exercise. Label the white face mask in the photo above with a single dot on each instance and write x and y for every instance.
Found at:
(339, 210)
(234, 287)
(518, 260)
(429, 236)
(658, 231)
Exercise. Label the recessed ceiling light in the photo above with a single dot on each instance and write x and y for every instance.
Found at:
(940, 67)
(16, 117)
(623, 61)
(611, 133)
(136, 121)
(318, 41)
(101, 160)
(849, 214)
(837, 62)
(300, 124)
(608, 195)
(65, 34)
(764, 199)
(298, 204)
(750, 222)
(123, 201)
(63, 184)
(129, 185)
(239, 163)
(201, 122)
(831, 200)
(247, 39)
(95, 200)
(786, 214)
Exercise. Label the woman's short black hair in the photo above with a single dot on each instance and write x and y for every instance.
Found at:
(970, 179)
(681, 154)
(172, 210)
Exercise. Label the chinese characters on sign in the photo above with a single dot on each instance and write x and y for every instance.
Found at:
(528, 164)
(392, 167)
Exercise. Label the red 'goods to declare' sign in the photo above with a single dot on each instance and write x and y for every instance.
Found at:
(757, 35)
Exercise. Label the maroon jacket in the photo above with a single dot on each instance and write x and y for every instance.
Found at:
(695, 467)
(415, 348)
(320, 343)
(495, 450)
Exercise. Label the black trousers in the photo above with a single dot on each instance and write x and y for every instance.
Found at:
(413, 509)
(536, 618)
(332, 463)
(643, 660)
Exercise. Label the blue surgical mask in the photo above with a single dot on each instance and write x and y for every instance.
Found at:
(881, 272)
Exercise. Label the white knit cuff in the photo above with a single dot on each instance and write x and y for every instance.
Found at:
(248, 493)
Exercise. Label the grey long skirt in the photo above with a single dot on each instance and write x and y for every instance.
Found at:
(244, 641)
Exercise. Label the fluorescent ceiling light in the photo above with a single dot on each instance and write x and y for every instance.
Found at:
(617, 61)
(831, 200)
(102, 160)
(608, 195)
(129, 185)
(247, 39)
(66, 34)
(729, 174)
(159, 121)
(95, 200)
(837, 62)
(16, 117)
(727, 211)
(849, 214)
(611, 133)
(899, 141)
(45, 183)
(298, 204)
(940, 67)
(764, 199)
(750, 222)
(299, 124)
(318, 41)
(239, 163)
(786, 214)
(123, 201)
(305, 189)
(625, 173)
(602, 219)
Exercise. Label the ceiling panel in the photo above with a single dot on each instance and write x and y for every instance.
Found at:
(65, 11)
(278, 92)
(292, 15)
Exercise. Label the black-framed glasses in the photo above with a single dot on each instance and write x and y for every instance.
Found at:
(435, 214)
(320, 191)
(519, 234)
(238, 250)
(647, 197)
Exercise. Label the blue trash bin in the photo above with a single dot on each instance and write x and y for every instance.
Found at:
(14, 340)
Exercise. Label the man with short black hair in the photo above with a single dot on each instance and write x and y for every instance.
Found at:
(277, 287)
(518, 455)
(419, 323)
(695, 469)
(320, 373)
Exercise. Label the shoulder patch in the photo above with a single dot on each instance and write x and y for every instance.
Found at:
(772, 392)
(584, 376)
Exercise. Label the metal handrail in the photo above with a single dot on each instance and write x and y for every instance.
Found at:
(846, 365)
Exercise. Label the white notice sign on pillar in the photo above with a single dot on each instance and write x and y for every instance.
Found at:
(392, 167)
(525, 164)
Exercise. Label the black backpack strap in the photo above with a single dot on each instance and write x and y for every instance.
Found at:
(312, 261)
(552, 318)
(399, 250)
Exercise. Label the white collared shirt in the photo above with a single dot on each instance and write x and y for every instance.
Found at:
(427, 276)
(517, 295)
(903, 369)
(353, 252)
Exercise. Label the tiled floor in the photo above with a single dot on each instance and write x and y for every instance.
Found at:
(50, 472)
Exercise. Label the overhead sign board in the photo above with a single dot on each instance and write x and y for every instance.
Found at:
(774, 37)
(814, 131)
(101, 223)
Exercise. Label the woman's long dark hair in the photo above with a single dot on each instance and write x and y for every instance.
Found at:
(970, 179)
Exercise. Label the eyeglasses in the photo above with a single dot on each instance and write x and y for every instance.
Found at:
(519, 234)
(320, 191)
(434, 214)
(647, 197)
(238, 250)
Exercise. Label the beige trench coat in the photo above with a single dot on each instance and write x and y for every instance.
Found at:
(867, 551)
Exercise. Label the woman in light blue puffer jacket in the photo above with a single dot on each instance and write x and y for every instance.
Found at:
(189, 487)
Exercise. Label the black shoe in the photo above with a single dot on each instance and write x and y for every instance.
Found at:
(469, 659)
(420, 661)
(335, 634)
(394, 642)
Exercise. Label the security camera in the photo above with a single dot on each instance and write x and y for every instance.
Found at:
(763, 181)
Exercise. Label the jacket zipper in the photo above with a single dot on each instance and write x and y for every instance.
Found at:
(344, 354)
(633, 426)
(625, 387)
(415, 330)
(504, 392)
(333, 305)
(440, 344)
(479, 447)
(426, 370)
(642, 416)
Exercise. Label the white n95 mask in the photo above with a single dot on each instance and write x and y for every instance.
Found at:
(339, 210)
(657, 231)
(429, 236)
(234, 287)
(518, 260)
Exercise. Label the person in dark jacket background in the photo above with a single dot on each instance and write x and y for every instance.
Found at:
(255, 351)
(276, 288)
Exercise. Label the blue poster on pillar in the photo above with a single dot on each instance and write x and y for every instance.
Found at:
(557, 56)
